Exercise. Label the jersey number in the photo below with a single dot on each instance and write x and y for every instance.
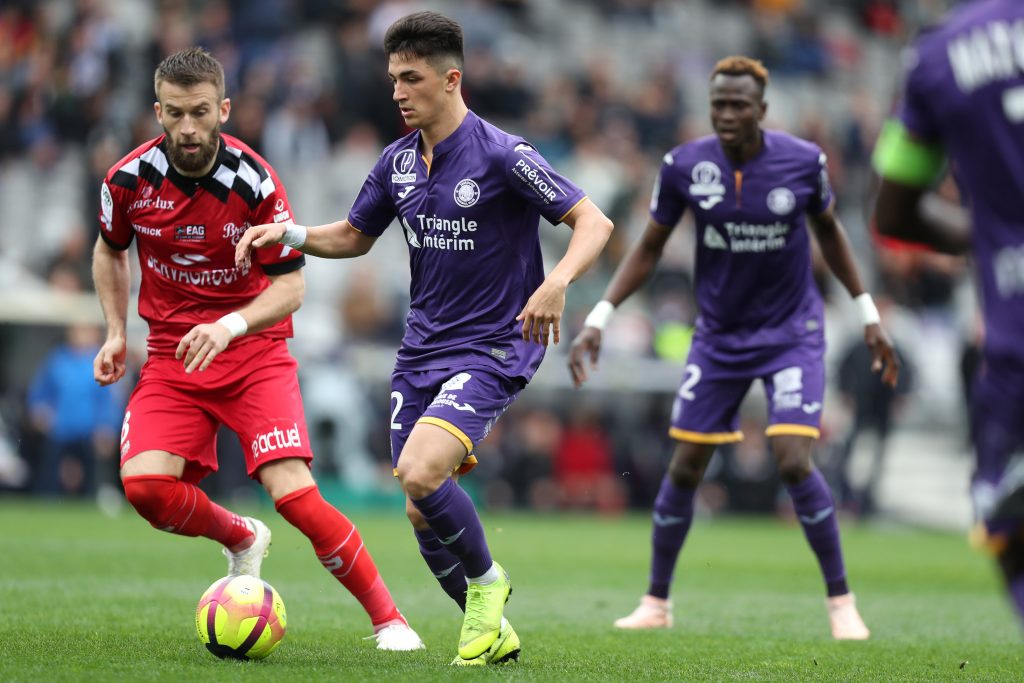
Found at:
(692, 377)
(1013, 104)
(397, 396)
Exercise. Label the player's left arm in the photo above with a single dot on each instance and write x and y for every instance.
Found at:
(204, 342)
(543, 311)
(906, 207)
(835, 247)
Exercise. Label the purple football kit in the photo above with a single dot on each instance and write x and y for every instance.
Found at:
(471, 220)
(760, 312)
(965, 92)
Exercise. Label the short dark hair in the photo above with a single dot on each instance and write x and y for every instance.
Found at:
(188, 67)
(426, 35)
(737, 65)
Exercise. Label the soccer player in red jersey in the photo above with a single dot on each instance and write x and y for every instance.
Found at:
(187, 196)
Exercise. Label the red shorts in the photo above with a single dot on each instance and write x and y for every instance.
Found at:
(253, 390)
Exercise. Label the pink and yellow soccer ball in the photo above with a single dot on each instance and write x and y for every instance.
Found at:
(241, 617)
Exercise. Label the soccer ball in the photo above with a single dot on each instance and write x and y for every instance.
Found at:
(241, 617)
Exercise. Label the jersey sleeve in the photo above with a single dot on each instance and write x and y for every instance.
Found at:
(273, 207)
(668, 201)
(821, 192)
(916, 108)
(115, 228)
(531, 177)
(373, 209)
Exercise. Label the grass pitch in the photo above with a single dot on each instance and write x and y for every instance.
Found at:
(87, 597)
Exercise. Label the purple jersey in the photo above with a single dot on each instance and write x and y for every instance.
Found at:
(754, 282)
(965, 91)
(471, 218)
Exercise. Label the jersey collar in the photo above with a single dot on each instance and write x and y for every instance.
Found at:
(189, 185)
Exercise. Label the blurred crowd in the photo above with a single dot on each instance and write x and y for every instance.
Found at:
(602, 88)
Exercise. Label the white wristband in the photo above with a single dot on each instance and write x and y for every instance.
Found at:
(235, 323)
(600, 314)
(294, 235)
(868, 311)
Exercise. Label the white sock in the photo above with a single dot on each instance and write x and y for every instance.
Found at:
(489, 576)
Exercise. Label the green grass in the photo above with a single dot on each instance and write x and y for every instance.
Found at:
(86, 597)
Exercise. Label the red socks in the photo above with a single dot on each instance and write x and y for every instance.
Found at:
(340, 550)
(172, 505)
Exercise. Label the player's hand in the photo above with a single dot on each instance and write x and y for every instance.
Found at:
(543, 313)
(201, 345)
(586, 343)
(255, 237)
(109, 366)
(883, 355)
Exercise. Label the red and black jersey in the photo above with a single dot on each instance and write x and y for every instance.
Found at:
(187, 229)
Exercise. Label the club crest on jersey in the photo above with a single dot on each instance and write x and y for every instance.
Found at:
(467, 192)
(189, 233)
(403, 163)
(707, 180)
(781, 201)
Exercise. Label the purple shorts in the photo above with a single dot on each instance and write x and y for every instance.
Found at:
(997, 428)
(464, 403)
(706, 408)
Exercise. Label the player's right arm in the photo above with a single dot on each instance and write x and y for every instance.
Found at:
(333, 240)
(634, 270)
(112, 278)
(668, 204)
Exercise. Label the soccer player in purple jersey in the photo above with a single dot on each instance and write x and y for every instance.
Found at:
(963, 100)
(761, 317)
(469, 198)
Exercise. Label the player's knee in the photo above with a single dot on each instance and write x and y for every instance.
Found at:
(415, 516)
(151, 497)
(794, 468)
(686, 469)
(417, 480)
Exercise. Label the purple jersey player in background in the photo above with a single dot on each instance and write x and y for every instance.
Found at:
(469, 198)
(760, 317)
(964, 100)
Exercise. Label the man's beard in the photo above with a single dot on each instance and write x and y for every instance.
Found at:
(192, 163)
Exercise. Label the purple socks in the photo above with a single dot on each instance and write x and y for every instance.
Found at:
(816, 511)
(673, 514)
(445, 566)
(450, 513)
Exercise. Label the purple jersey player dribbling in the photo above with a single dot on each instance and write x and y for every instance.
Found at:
(760, 317)
(468, 197)
(964, 100)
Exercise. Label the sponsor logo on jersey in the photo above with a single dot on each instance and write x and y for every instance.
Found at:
(189, 259)
(403, 163)
(215, 277)
(189, 233)
(789, 385)
(268, 442)
(157, 202)
(447, 396)
(756, 237)
(404, 192)
(279, 204)
(446, 234)
(713, 239)
(707, 179)
(781, 201)
(282, 216)
(233, 232)
(537, 179)
(146, 230)
(467, 192)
